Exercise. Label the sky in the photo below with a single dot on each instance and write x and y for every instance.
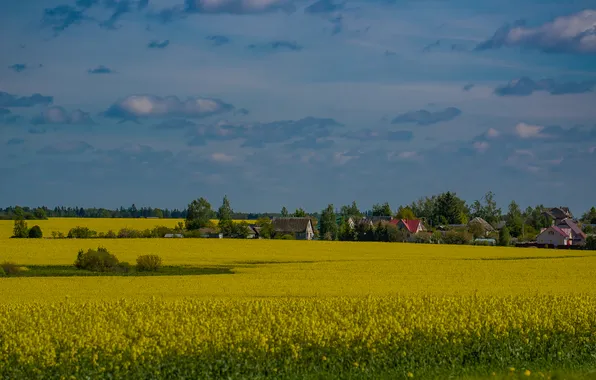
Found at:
(296, 103)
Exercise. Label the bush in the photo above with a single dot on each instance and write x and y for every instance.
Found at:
(99, 260)
(20, 229)
(2, 272)
(148, 263)
(129, 233)
(289, 237)
(591, 243)
(81, 233)
(423, 238)
(35, 233)
(455, 237)
(10, 269)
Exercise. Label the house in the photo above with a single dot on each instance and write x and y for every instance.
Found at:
(210, 233)
(379, 219)
(173, 236)
(300, 228)
(554, 235)
(577, 235)
(485, 225)
(557, 214)
(254, 232)
(413, 226)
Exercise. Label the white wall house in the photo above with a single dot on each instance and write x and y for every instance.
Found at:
(555, 236)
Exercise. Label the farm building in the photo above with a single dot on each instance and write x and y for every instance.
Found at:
(577, 235)
(300, 228)
(485, 225)
(413, 226)
(210, 233)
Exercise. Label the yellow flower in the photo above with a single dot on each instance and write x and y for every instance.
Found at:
(527, 373)
(324, 358)
(410, 374)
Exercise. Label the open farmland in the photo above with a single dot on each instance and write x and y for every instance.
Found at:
(297, 309)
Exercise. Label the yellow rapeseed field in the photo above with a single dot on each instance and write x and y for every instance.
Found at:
(297, 309)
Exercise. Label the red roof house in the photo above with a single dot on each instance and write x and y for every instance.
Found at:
(411, 225)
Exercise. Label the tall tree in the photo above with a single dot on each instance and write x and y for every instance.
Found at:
(284, 212)
(589, 217)
(350, 211)
(487, 209)
(449, 209)
(328, 224)
(300, 213)
(424, 208)
(224, 214)
(405, 213)
(382, 209)
(199, 214)
(514, 220)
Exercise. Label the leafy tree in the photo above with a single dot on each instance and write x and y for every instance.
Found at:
(591, 243)
(487, 209)
(158, 213)
(199, 214)
(449, 209)
(20, 229)
(328, 223)
(350, 211)
(346, 232)
(35, 233)
(590, 216)
(284, 212)
(477, 230)
(224, 214)
(382, 209)
(40, 213)
(514, 220)
(240, 230)
(405, 213)
(425, 208)
(266, 231)
(504, 237)
(300, 213)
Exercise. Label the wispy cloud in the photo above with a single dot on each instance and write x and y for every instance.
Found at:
(18, 67)
(218, 40)
(566, 34)
(424, 117)
(101, 69)
(526, 86)
(9, 100)
(66, 147)
(238, 6)
(155, 44)
(58, 115)
(277, 46)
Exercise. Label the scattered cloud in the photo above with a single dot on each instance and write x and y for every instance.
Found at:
(7, 117)
(527, 131)
(389, 53)
(565, 34)
(4, 111)
(525, 86)
(61, 17)
(66, 147)
(324, 6)
(238, 6)
(9, 100)
(424, 117)
(492, 133)
(218, 40)
(155, 44)
(15, 141)
(147, 106)
(310, 143)
(101, 69)
(58, 115)
(277, 46)
(18, 67)
(37, 131)
(338, 24)
(369, 134)
(241, 112)
(481, 146)
(257, 135)
(175, 124)
(221, 157)
(468, 87)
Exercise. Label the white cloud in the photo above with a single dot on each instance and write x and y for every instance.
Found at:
(574, 33)
(237, 6)
(58, 115)
(139, 106)
(221, 157)
(492, 133)
(481, 146)
(527, 131)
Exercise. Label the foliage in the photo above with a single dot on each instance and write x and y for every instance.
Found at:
(100, 260)
(224, 214)
(267, 230)
(487, 209)
(346, 232)
(477, 229)
(386, 232)
(300, 213)
(423, 238)
(350, 211)
(285, 237)
(20, 229)
(284, 212)
(2, 272)
(448, 209)
(40, 213)
(240, 230)
(35, 232)
(514, 220)
(199, 214)
(149, 263)
(81, 233)
(590, 216)
(382, 209)
(405, 213)
(328, 224)
(10, 268)
(591, 243)
(457, 237)
(504, 237)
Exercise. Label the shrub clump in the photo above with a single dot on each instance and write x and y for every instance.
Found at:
(81, 233)
(148, 263)
(100, 260)
(10, 269)
(35, 233)
(2, 272)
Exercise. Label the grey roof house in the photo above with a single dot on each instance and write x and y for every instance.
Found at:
(300, 228)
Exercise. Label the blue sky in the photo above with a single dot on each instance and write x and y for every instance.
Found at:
(297, 103)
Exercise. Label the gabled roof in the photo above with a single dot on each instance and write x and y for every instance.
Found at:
(290, 224)
(411, 225)
(568, 223)
(487, 227)
(557, 230)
